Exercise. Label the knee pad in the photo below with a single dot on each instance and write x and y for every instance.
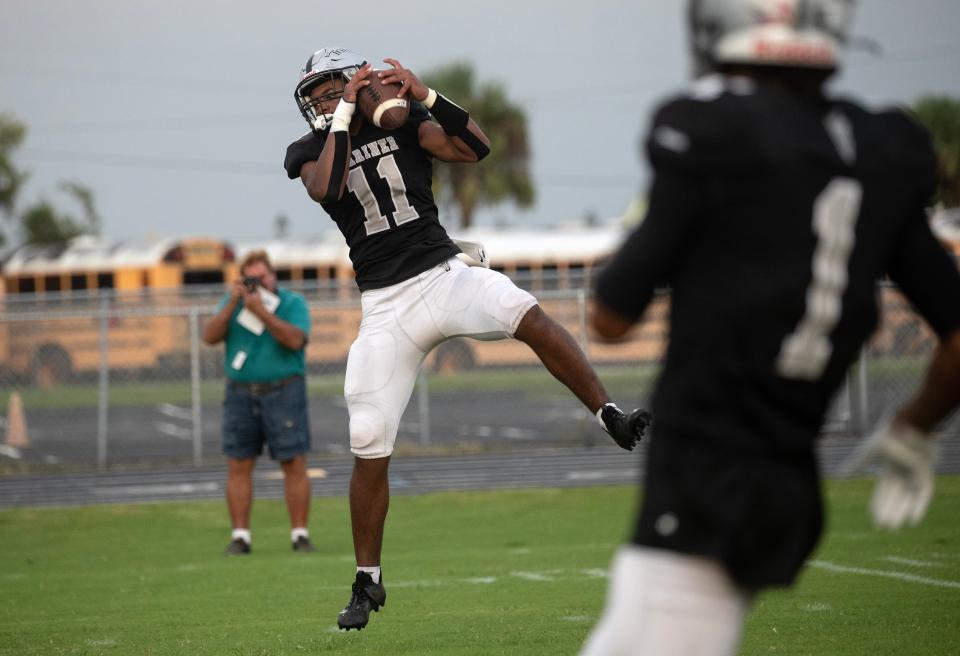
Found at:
(369, 434)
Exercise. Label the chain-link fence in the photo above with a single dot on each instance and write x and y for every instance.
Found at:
(104, 380)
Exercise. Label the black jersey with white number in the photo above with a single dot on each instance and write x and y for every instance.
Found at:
(772, 217)
(387, 212)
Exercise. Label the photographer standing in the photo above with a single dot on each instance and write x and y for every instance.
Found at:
(265, 331)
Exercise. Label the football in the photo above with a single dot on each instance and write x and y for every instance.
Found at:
(379, 104)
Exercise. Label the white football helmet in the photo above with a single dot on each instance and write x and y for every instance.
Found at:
(324, 64)
(795, 33)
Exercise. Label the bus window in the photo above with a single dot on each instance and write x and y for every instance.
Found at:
(576, 275)
(523, 276)
(104, 281)
(550, 276)
(51, 283)
(310, 273)
(284, 274)
(26, 285)
(202, 277)
(78, 281)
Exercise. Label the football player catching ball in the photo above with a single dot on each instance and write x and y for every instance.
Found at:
(415, 292)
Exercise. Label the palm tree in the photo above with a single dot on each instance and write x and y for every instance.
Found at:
(941, 116)
(504, 175)
(12, 132)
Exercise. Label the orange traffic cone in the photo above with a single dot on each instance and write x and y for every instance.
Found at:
(16, 423)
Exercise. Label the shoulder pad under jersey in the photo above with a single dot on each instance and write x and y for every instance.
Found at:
(710, 126)
(905, 144)
(305, 149)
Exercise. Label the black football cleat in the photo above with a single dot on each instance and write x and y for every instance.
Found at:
(366, 596)
(303, 545)
(237, 547)
(625, 429)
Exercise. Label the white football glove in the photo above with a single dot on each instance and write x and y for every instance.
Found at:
(905, 481)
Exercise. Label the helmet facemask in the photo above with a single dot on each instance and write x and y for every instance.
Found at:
(311, 108)
(336, 64)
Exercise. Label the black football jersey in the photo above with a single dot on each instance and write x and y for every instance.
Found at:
(772, 217)
(387, 212)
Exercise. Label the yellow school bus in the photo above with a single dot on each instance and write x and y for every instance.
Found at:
(61, 301)
(58, 303)
(557, 265)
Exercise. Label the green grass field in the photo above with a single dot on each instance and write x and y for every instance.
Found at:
(504, 572)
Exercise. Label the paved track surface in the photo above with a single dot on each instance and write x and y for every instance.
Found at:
(410, 474)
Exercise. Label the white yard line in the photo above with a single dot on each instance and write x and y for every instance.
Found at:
(146, 490)
(175, 411)
(909, 561)
(902, 576)
(595, 573)
(532, 576)
(600, 475)
(173, 430)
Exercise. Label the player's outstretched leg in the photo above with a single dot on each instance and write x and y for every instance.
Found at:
(563, 358)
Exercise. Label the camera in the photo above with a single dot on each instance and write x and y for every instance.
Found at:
(251, 283)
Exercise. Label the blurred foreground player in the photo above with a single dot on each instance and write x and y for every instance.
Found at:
(773, 213)
(415, 291)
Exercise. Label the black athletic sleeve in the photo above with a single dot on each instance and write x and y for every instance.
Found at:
(305, 149)
(927, 275)
(919, 264)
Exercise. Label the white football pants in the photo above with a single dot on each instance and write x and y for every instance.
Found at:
(400, 324)
(662, 603)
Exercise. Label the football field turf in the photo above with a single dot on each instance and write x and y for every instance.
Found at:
(502, 572)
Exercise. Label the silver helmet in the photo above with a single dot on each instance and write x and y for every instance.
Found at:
(795, 33)
(324, 64)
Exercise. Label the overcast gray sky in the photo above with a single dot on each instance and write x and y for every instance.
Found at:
(178, 113)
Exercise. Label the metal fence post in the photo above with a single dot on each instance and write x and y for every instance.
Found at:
(103, 398)
(582, 321)
(582, 338)
(423, 403)
(195, 385)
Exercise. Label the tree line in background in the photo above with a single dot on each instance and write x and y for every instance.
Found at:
(503, 176)
(941, 116)
(40, 222)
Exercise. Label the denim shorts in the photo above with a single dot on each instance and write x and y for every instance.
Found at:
(277, 417)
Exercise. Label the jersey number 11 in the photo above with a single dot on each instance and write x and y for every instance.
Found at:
(374, 220)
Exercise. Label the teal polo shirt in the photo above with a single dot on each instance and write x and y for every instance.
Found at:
(266, 360)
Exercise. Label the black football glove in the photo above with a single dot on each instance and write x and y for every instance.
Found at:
(625, 429)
